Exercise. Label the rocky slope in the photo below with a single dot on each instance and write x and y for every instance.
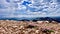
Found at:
(29, 27)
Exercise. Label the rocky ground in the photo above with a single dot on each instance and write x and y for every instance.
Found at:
(29, 27)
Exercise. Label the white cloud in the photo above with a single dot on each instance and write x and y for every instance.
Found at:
(9, 12)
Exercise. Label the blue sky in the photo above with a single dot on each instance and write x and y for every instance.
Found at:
(29, 8)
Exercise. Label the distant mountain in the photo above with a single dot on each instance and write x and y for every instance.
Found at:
(57, 19)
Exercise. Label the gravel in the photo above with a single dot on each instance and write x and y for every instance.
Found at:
(29, 27)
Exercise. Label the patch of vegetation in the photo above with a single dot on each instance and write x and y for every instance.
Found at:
(31, 26)
(47, 31)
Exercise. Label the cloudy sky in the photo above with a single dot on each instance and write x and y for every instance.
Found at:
(29, 8)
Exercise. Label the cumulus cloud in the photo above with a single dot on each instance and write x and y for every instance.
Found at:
(37, 8)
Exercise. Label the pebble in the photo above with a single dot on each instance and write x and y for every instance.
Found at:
(39, 21)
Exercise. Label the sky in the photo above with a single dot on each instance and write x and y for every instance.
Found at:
(29, 8)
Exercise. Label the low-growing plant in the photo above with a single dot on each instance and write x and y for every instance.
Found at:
(47, 31)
